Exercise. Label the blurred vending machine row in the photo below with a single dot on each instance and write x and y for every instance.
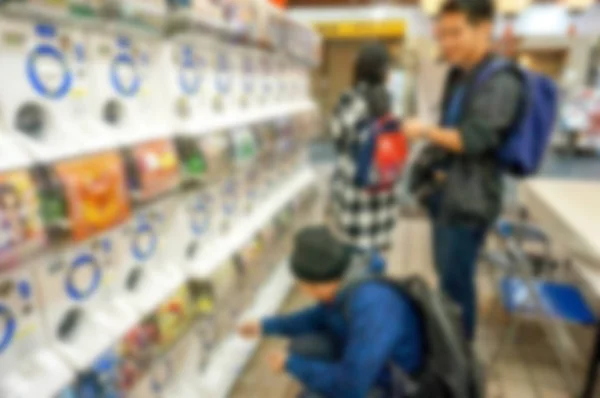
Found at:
(152, 171)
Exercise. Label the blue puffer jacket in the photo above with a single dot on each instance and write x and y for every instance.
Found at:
(378, 326)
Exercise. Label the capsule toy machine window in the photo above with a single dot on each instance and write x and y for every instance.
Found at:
(86, 200)
(85, 8)
(247, 273)
(138, 349)
(208, 12)
(306, 208)
(204, 330)
(267, 81)
(173, 318)
(285, 148)
(220, 283)
(57, 8)
(218, 149)
(193, 218)
(249, 88)
(23, 241)
(167, 369)
(285, 231)
(267, 135)
(154, 178)
(270, 253)
(145, 346)
(44, 101)
(225, 77)
(149, 15)
(245, 149)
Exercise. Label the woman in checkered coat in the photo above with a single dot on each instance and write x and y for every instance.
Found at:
(364, 219)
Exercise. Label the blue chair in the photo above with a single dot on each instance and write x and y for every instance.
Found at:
(524, 293)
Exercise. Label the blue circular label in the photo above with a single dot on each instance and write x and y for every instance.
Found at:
(124, 75)
(189, 74)
(223, 78)
(145, 242)
(200, 215)
(48, 73)
(77, 288)
(248, 75)
(10, 327)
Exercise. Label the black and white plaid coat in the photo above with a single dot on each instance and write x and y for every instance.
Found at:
(366, 219)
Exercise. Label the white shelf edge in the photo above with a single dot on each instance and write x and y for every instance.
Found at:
(244, 117)
(227, 246)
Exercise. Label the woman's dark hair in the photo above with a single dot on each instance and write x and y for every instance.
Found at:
(372, 64)
(476, 11)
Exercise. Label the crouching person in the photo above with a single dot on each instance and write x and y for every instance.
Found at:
(359, 340)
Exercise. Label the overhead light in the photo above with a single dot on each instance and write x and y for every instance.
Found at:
(379, 12)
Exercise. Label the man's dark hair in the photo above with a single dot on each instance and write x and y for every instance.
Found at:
(476, 11)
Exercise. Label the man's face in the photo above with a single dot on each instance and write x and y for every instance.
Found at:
(458, 38)
(324, 292)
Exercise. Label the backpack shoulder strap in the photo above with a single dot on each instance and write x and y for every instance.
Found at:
(492, 68)
(400, 285)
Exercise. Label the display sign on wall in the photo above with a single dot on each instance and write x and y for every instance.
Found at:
(361, 29)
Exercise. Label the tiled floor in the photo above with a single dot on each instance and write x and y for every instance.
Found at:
(526, 369)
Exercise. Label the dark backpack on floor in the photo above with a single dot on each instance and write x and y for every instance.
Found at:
(450, 369)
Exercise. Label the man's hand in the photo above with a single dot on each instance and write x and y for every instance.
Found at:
(414, 129)
(250, 329)
(277, 361)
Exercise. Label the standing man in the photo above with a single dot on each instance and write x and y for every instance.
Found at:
(458, 176)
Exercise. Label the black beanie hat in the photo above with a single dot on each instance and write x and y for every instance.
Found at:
(318, 256)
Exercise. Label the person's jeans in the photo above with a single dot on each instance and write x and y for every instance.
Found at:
(456, 249)
(320, 347)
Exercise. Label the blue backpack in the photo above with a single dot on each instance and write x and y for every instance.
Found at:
(523, 150)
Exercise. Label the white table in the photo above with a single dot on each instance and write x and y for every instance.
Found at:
(569, 211)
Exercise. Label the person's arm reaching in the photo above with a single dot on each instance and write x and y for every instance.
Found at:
(375, 323)
(306, 321)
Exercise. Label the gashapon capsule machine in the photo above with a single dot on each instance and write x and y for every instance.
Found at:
(180, 361)
(218, 151)
(44, 100)
(248, 272)
(245, 154)
(285, 148)
(146, 346)
(268, 166)
(193, 224)
(116, 81)
(153, 180)
(185, 69)
(24, 348)
(225, 76)
(213, 297)
(86, 202)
